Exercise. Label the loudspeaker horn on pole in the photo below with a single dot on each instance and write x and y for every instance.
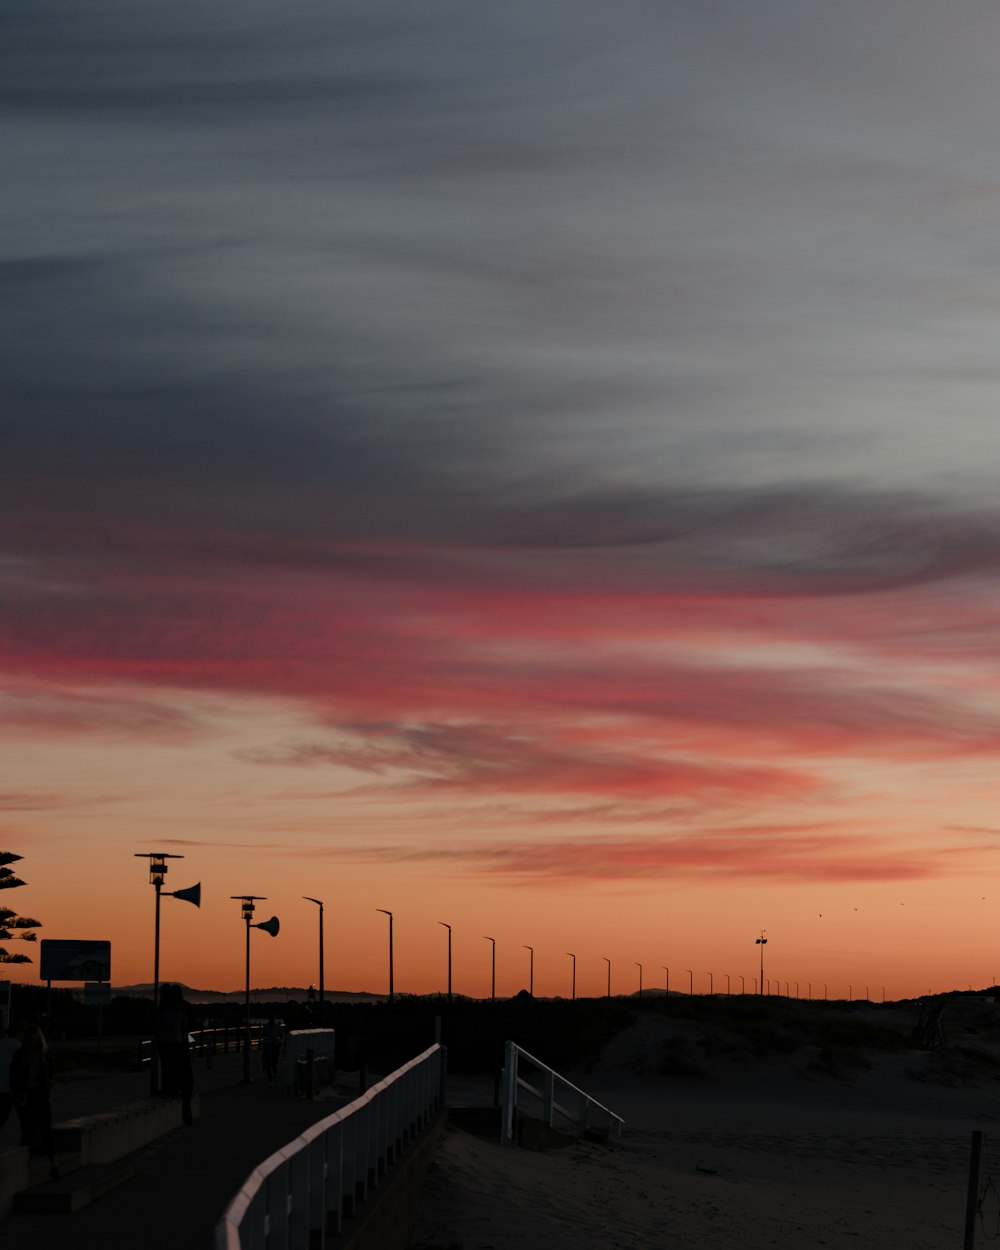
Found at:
(191, 895)
(269, 926)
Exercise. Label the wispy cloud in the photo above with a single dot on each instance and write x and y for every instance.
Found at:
(814, 854)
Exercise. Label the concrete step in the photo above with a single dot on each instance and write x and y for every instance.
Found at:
(38, 1167)
(76, 1190)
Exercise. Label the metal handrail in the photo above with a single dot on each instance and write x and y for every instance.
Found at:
(213, 1041)
(513, 1081)
(306, 1189)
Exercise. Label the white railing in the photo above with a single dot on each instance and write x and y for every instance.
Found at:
(302, 1193)
(556, 1096)
(298, 1043)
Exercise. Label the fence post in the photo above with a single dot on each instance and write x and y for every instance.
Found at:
(549, 1080)
(972, 1197)
(508, 1084)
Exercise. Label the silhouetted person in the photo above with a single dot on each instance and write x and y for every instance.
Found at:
(9, 1046)
(173, 1048)
(271, 1039)
(30, 1078)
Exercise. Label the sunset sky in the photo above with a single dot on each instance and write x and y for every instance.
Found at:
(529, 466)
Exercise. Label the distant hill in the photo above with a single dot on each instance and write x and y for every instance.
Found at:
(273, 993)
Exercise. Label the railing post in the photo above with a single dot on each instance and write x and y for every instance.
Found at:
(508, 1093)
(299, 1211)
(549, 1086)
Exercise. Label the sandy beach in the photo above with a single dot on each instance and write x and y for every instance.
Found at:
(776, 1154)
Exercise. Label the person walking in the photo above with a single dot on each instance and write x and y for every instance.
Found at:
(271, 1040)
(10, 1044)
(30, 1077)
(173, 1048)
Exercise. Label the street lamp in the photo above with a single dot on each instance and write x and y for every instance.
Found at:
(271, 926)
(639, 966)
(321, 974)
(728, 985)
(573, 957)
(392, 995)
(448, 927)
(608, 962)
(667, 971)
(743, 985)
(690, 981)
(762, 942)
(493, 973)
(531, 969)
(157, 871)
(711, 985)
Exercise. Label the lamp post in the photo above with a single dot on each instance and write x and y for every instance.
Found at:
(608, 962)
(493, 969)
(321, 982)
(392, 995)
(247, 903)
(762, 942)
(690, 981)
(573, 957)
(711, 985)
(728, 985)
(667, 971)
(448, 927)
(743, 985)
(639, 966)
(157, 871)
(531, 969)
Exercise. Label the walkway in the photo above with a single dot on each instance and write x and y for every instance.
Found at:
(186, 1179)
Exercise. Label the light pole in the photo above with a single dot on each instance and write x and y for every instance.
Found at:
(796, 989)
(639, 966)
(762, 942)
(573, 957)
(711, 985)
(743, 985)
(690, 981)
(247, 902)
(531, 969)
(667, 971)
(493, 968)
(850, 993)
(157, 871)
(321, 973)
(448, 927)
(729, 992)
(392, 994)
(608, 962)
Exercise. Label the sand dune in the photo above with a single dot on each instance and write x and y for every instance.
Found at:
(765, 1155)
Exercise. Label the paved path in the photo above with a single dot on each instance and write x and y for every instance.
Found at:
(186, 1179)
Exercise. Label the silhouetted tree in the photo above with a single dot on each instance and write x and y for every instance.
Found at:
(13, 926)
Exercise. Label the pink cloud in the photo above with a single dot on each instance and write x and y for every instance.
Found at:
(809, 853)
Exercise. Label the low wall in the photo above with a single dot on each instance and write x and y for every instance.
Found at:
(15, 1164)
(110, 1135)
(386, 1221)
